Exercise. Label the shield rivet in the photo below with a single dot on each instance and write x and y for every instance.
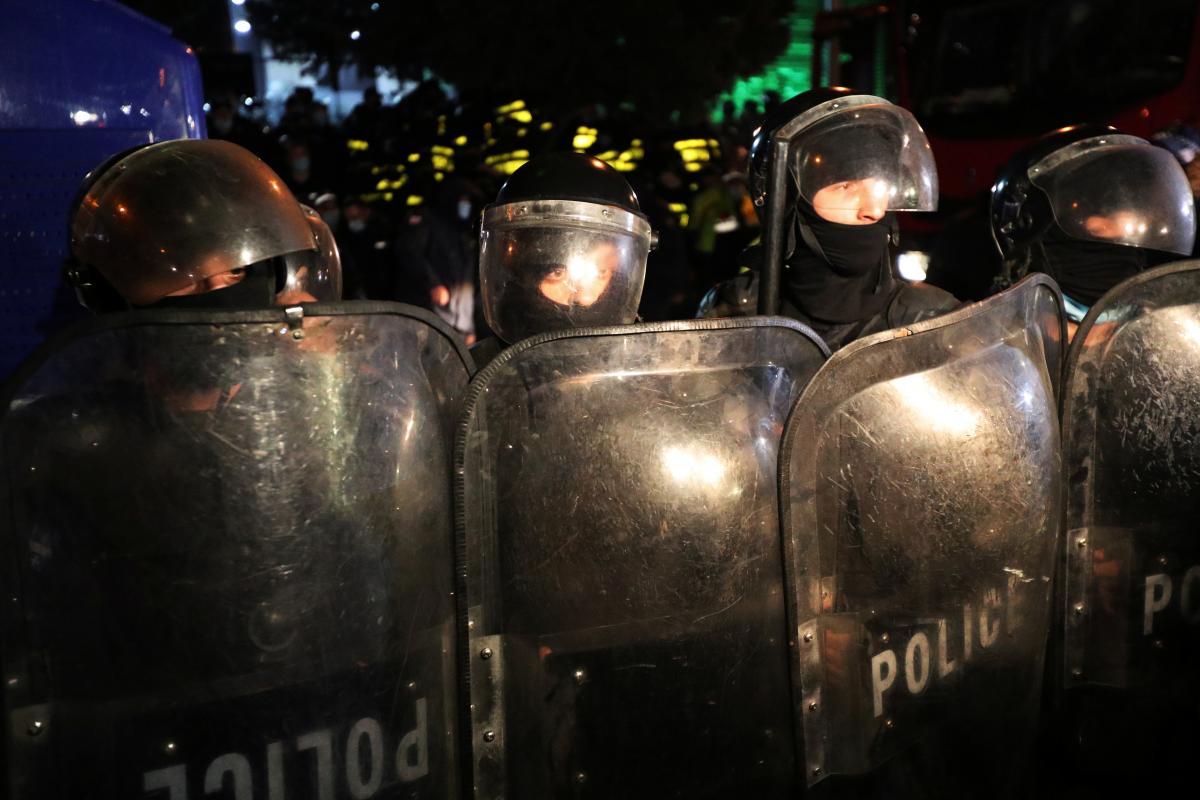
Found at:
(489, 736)
(169, 748)
(485, 653)
(1078, 608)
(885, 638)
(1159, 644)
(1081, 543)
(580, 676)
(581, 777)
(35, 727)
(1162, 560)
(808, 637)
(812, 706)
(816, 770)
(889, 724)
(1077, 673)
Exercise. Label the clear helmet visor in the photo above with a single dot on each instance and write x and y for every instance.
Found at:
(551, 265)
(312, 275)
(863, 153)
(175, 214)
(1120, 190)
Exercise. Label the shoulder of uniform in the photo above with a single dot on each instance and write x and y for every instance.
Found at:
(736, 297)
(914, 302)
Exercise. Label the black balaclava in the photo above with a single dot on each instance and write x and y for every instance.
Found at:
(1085, 270)
(256, 290)
(525, 311)
(847, 276)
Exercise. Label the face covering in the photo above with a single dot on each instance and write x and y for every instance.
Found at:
(464, 210)
(1085, 270)
(356, 225)
(525, 310)
(301, 164)
(850, 279)
(256, 290)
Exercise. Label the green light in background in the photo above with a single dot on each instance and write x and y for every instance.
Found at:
(789, 74)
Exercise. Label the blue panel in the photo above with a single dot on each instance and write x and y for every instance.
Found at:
(40, 172)
(80, 80)
(81, 63)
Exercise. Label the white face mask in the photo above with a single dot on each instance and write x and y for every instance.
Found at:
(464, 210)
(357, 225)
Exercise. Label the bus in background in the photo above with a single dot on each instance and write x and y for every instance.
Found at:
(80, 80)
(986, 77)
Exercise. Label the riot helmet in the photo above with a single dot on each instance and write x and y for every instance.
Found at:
(828, 167)
(190, 222)
(1090, 206)
(563, 246)
(861, 146)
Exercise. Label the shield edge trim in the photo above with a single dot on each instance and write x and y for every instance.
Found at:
(810, 732)
(91, 326)
(1067, 658)
(475, 391)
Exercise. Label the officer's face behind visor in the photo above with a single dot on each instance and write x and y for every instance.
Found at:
(551, 265)
(212, 283)
(1119, 189)
(854, 163)
(855, 202)
(583, 279)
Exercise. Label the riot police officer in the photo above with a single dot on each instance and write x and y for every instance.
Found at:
(1090, 206)
(196, 223)
(563, 246)
(852, 160)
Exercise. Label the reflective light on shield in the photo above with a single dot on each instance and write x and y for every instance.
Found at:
(939, 409)
(1186, 321)
(693, 467)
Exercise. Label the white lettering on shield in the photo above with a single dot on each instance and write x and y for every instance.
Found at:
(1160, 591)
(928, 656)
(365, 767)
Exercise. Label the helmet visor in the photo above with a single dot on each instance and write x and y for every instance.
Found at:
(313, 275)
(176, 213)
(1120, 190)
(550, 265)
(865, 156)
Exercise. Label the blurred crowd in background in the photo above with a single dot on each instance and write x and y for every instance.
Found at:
(402, 186)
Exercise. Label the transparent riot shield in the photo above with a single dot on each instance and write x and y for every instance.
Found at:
(921, 498)
(1131, 423)
(622, 562)
(228, 557)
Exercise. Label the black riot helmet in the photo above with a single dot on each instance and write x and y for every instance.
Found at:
(564, 246)
(192, 223)
(826, 138)
(1090, 206)
(760, 146)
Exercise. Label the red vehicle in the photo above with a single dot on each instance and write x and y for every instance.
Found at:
(986, 77)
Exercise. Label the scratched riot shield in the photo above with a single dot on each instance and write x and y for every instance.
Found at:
(228, 555)
(622, 562)
(1131, 423)
(921, 499)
